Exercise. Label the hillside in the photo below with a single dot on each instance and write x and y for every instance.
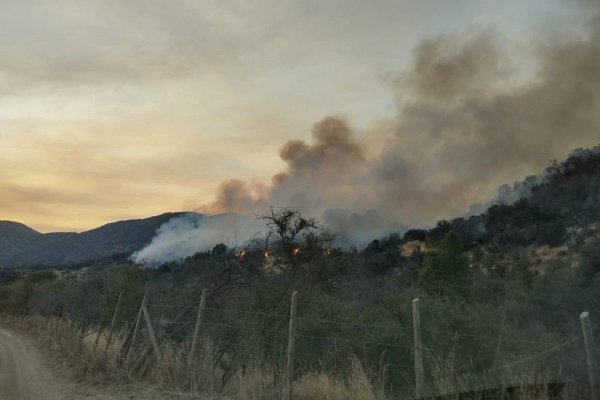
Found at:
(562, 206)
(560, 213)
(23, 246)
(505, 288)
(555, 224)
(16, 238)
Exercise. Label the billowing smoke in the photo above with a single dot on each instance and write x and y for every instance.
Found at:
(190, 233)
(240, 197)
(467, 122)
(465, 126)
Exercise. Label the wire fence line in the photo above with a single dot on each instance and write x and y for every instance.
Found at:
(383, 347)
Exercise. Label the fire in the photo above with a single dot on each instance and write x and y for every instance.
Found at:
(296, 251)
(242, 253)
(266, 254)
(327, 252)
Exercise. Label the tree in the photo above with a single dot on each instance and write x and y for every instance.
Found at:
(446, 271)
(415, 234)
(555, 168)
(288, 227)
(304, 243)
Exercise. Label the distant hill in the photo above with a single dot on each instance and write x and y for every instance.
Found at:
(16, 238)
(22, 246)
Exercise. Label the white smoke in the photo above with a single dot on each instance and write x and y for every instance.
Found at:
(186, 235)
(191, 233)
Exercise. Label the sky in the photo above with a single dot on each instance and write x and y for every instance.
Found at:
(113, 110)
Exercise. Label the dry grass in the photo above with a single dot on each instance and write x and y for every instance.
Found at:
(257, 382)
(530, 383)
(319, 386)
(83, 352)
(355, 386)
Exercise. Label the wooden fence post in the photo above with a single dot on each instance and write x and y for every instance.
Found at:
(112, 323)
(500, 332)
(137, 326)
(453, 380)
(589, 350)
(98, 338)
(151, 331)
(419, 372)
(198, 325)
(290, 350)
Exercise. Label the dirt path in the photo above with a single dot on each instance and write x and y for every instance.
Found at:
(25, 375)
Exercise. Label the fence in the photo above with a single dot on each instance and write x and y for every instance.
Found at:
(399, 358)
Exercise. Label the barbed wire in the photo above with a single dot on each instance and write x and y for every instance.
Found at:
(265, 313)
(360, 341)
(249, 322)
(378, 331)
(540, 354)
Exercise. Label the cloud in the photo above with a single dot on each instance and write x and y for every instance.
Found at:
(101, 42)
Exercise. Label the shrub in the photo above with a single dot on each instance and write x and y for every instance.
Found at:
(446, 271)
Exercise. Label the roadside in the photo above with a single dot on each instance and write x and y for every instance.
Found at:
(27, 374)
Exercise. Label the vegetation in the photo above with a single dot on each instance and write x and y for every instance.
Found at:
(501, 295)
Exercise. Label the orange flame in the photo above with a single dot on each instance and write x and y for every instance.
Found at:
(296, 251)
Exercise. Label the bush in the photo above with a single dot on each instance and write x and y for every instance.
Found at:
(41, 276)
(446, 271)
(551, 233)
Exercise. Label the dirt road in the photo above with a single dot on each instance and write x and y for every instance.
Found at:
(23, 375)
(26, 375)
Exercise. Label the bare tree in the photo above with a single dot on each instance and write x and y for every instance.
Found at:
(288, 226)
(555, 168)
(304, 243)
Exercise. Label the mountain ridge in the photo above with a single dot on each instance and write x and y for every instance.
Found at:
(22, 246)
